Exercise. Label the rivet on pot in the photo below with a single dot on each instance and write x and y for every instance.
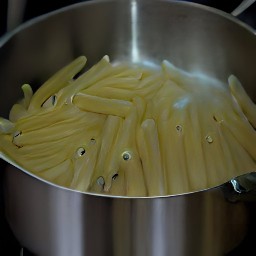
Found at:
(209, 139)
(80, 151)
(101, 181)
(179, 128)
(16, 134)
(51, 101)
(93, 141)
(126, 155)
(114, 176)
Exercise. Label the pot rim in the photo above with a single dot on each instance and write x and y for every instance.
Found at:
(6, 37)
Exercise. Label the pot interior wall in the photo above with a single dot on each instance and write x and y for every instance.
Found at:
(51, 221)
(192, 38)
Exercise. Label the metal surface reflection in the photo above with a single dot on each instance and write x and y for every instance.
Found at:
(134, 26)
(59, 222)
(52, 221)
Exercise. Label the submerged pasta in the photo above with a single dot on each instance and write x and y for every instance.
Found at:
(131, 130)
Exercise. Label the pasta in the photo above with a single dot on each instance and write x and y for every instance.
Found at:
(130, 130)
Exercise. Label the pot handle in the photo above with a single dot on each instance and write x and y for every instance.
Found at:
(241, 188)
(242, 7)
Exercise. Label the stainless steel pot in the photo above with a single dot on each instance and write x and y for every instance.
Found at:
(54, 221)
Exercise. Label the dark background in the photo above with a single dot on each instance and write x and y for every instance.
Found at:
(33, 8)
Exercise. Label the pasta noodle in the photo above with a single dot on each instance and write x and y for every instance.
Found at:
(130, 130)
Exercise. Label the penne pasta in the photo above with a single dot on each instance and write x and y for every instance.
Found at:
(56, 82)
(148, 142)
(110, 129)
(102, 105)
(248, 107)
(129, 130)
